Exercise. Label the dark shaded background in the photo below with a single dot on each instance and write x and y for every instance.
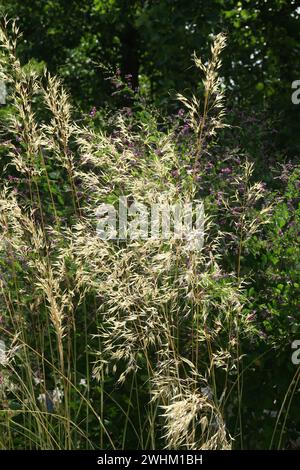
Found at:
(85, 41)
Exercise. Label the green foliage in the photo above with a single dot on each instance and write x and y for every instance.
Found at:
(55, 170)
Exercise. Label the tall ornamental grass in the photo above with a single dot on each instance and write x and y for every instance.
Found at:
(116, 344)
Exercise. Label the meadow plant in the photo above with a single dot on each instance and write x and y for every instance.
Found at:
(147, 328)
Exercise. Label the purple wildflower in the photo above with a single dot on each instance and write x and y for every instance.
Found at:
(185, 129)
(93, 112)
(12, 178)
(226, 171)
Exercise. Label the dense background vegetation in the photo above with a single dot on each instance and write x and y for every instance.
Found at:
(130, 58)
(85, 42)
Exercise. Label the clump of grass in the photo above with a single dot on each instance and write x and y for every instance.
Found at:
(161, 320)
